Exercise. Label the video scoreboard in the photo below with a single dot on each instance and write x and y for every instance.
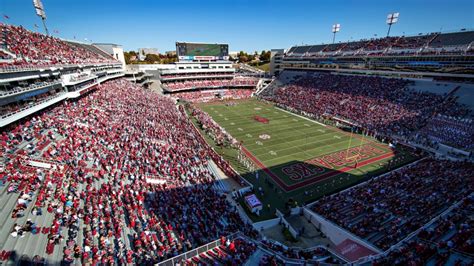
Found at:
(202, 51)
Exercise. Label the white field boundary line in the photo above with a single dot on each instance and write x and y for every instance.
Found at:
(269, 147)
(305, 152)
(334, 131)
(300, 116)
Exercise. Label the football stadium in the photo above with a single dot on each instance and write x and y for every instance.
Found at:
(337, 152)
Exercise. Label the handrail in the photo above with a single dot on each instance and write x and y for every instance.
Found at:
(15, 68)
(194, 252)
(32, 87)
(30, 106)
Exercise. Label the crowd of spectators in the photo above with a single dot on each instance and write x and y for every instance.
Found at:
(431, 43)
(14, 107)
(451, 131)
(455, 230)
(386, 209)
(448, 240)
(33, 48)
(416, 42)
(191, 75)
(191, 84)
(6, 91)
(384, 106)
(229, 252)
(213, 95)
(212, 129)
(318, 253)
(112, 140)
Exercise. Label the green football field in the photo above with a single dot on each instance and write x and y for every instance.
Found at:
(297, 158)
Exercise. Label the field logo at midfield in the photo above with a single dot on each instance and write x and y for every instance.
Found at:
(264, 136)
(299, 171)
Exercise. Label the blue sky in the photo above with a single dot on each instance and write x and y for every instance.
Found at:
(247, 25)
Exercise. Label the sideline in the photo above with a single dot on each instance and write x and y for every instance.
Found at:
(300, 116)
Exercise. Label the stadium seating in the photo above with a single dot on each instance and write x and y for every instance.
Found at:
(386, 209)
(432, 43)
(318, 253)
(234, 252)
(210, 127)
(100, 206)
(15, 107)
(122, 176)
(365, 101)
(451, 131)
(446, 242)
(33, 49)
(213, 95)
(453, 39)
(214, 83)
(30, 87)
(194, 75)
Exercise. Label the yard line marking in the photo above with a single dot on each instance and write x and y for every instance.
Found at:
(240, 129)
(307, 125)
(337, 137)
(300, 147)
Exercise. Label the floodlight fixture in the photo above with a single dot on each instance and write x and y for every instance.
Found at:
(40, 13)
(335, 29)
(392, 18)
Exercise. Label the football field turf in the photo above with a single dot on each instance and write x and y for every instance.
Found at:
(301, 156)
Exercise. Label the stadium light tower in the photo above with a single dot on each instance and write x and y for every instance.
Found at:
(40, 12)
(392, 18)
(335, 29)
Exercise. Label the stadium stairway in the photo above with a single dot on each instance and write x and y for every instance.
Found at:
(255, 258)
(219, 184)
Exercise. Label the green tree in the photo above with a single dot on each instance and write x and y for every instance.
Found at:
(152, 58)
(129, 55)
(265, 56)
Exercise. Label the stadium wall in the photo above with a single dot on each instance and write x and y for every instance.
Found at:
(336, 234)
(266, 224)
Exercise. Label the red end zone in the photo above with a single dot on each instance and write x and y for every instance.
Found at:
(325, 166)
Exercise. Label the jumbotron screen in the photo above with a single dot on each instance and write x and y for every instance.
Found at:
(202, 51)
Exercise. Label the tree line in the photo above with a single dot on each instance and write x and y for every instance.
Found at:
(132, 57)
